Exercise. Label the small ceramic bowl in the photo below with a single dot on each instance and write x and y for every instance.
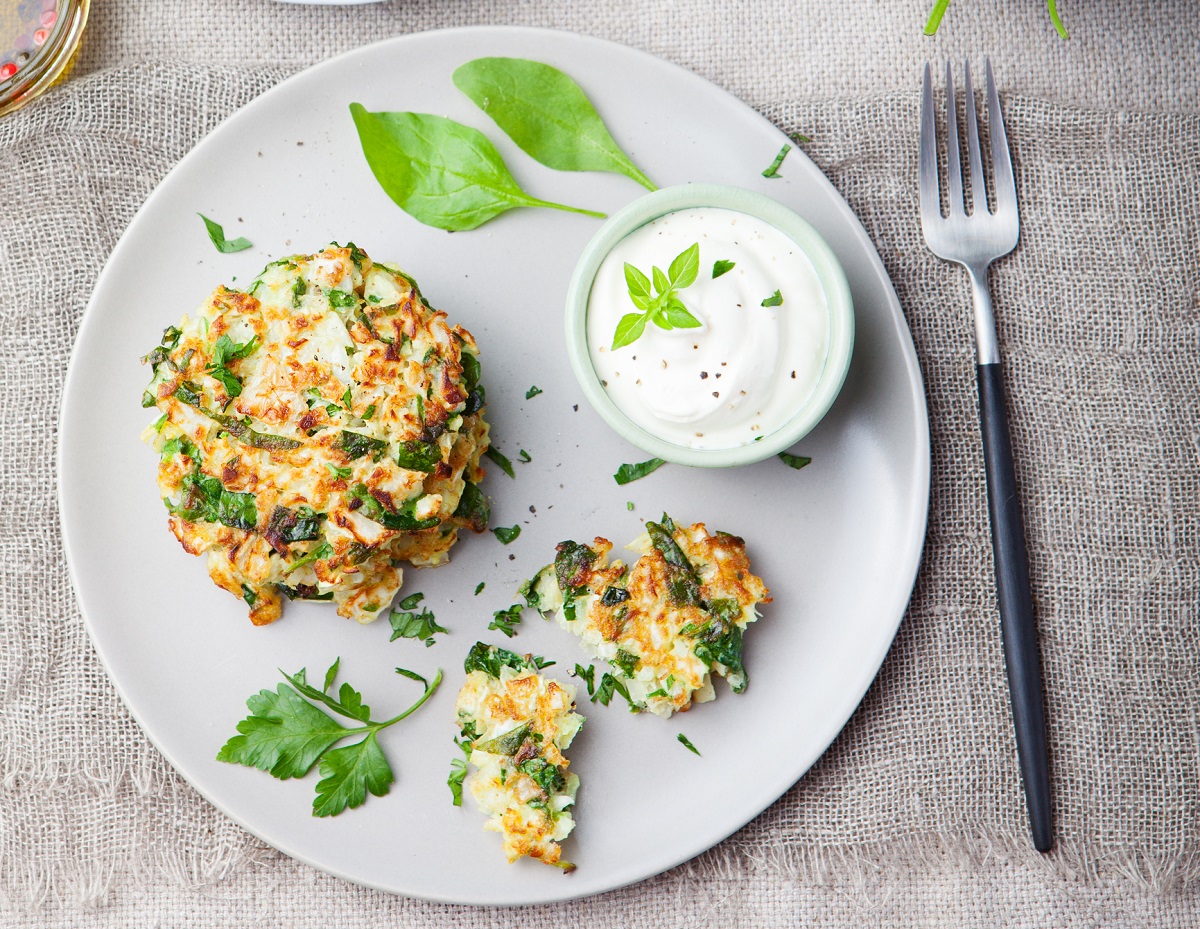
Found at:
(829, 272)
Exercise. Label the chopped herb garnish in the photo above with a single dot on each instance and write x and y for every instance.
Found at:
(416, 455)
(355, 445)
(722, 267)
(409, 624)
(342, 298)
(506, 621)
(217, 235)
(402, 519)
(506, 535)
(479, 587)
(286, 735)
(683, 739)
(776, 299)
(626, 661)
(773, 170)
(794, 461)
(205, 499)
(587, 675)
(628, 473)
(524, 456)
(629, 505)
(473, 509)
(340, 474)
(494, 455)
(532, 392)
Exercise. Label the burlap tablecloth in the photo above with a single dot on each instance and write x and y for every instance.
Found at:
(915, 815)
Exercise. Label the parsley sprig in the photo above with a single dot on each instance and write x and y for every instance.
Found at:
(286, 735)
(657, 297)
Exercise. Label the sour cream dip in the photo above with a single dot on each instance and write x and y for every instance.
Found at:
(758, 353)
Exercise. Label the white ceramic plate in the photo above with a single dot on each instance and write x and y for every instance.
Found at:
(838, 542)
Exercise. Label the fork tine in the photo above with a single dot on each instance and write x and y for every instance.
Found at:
(1006, 188)
(953, 165)
(931, 208)
(978, 192)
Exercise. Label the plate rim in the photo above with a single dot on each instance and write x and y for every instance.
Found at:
(917, 513)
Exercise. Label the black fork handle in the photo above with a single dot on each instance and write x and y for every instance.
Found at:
(1017, 625)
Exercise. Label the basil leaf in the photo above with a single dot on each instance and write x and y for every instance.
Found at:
(507, 535)
(494, 455)
(441, 172)
(632, 472)
(217, 235)
(629, 329)
(794, 461)
(722, 267)
(773, 170)
(776, 299)
(685, 267)
(679, 317)
(547, 114)
(636, 282)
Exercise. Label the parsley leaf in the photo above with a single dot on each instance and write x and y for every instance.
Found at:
(794, 461)
(409, 624)
(217, 235)
(506, 535)
(491, 658)
(628, 473)
(722, 267)
(532, 392)
(506, 621)
(587, 675)
(286, 735)
(776, 299)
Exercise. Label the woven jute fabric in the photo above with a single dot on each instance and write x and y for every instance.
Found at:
(915, 816)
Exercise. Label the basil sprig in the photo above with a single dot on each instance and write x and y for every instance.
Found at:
(658, 299)
(440, 172)
(223, 245)
(547, 114)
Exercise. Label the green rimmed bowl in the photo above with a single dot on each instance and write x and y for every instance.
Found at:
(829, 272)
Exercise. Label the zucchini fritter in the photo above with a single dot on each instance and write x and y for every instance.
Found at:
(665, 623)
(317, 430)
(514, 725)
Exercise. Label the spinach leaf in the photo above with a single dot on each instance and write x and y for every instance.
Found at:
(441, 172)
(217, 235)
(572, 565)
(547, 776)
(683, 585)
(240, 429)
(719, 642)
(300, 525)
(547, 114)
(473, 508)
(354, 445)
(402, 520)
(628, 473)
(205, 499)
(416, 455)
(495, 456)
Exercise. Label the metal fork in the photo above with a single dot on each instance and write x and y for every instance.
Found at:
(975, 240)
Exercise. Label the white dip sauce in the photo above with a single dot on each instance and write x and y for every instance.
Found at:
(748, 369)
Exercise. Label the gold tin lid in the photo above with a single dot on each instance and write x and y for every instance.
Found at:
(38, 42)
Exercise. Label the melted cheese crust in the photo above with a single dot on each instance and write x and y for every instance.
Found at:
(665, 645)
(335, 372)
(531, 819)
